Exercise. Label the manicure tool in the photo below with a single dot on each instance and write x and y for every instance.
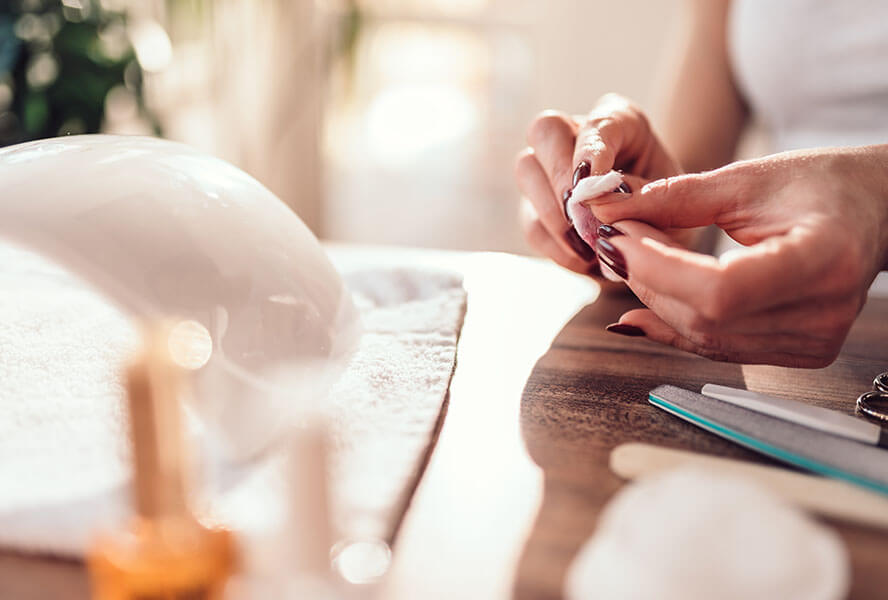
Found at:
(824, 496)
(810, 449)
(865, 402)
(815, 417)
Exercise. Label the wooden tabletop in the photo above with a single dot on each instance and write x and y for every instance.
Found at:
(519, 473)
(586, 394)
(589, 394)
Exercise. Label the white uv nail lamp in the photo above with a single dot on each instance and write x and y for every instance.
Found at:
(165, 231)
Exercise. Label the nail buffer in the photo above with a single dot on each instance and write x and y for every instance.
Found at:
(815, 417)
(803, 447)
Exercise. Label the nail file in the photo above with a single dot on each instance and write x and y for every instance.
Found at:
(803, 447)
(821, 495)
(815, 417)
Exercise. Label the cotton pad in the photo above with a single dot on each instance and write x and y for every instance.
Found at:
(579, 214)
(690, 533)
(596, 185)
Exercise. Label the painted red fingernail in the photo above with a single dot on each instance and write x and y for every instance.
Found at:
(608, 231)
(612, 257)
(624, 329)
(623, 188)
(564, 199)
(579, 245)
(582, 171)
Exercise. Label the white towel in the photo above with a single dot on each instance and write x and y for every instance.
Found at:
(64, 454)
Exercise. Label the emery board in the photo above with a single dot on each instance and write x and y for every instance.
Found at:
(800, 446)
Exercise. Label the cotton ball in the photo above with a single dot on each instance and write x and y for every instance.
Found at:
(690, 534)
(596, 185)
(581, 215)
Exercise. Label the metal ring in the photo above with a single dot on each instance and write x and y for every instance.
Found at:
(864, 405)
(880, 383)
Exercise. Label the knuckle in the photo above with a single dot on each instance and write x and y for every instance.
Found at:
(638, 115)
(525, 161)
(848, 271)
(707, 340)
(715, 304)
(547, 124)
(836, 326)
(613, 101)
(645, 296)
(712, 354)
(562, 172)
(591, 143)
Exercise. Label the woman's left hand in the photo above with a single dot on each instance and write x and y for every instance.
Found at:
(814, 224)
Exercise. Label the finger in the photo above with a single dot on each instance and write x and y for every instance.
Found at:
(552, 136)
(617, 135)
(730, 349)
(716, 341)
(539, 239)
(764, 275)
(612, 183)
(614, 128)
(724, 197)
(812, 318)
(535, 186)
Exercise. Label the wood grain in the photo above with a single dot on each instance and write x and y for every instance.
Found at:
(588, 394)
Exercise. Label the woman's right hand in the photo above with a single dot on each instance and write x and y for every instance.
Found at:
(564, 149)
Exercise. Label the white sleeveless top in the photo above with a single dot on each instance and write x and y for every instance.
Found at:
(814, 71)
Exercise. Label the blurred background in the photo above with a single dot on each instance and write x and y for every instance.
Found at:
(378, 121)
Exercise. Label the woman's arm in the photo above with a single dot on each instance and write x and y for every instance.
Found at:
(699, 109)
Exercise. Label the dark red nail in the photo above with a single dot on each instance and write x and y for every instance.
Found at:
(623, 329)
(582, 171)
(613, 258)
(623, 188)
(564, 199)
(608, 231)
(580, 247)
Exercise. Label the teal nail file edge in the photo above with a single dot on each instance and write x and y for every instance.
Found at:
(809, 449)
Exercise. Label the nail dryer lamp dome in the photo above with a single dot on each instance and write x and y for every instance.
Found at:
(163, 230)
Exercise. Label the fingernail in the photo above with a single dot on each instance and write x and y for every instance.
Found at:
(624, 329)
(608, 231)
(613, 258)
(564, 199)
(623, 188)
(579, 245)
(582, 171)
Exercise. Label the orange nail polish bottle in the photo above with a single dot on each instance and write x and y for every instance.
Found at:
(165, 553)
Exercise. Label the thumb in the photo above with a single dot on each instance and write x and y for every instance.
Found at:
(680, 202)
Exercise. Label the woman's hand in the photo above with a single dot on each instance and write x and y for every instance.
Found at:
(562, 150)
(813, 224)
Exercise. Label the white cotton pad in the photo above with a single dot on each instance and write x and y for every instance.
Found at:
(596, 185)
(690, 533)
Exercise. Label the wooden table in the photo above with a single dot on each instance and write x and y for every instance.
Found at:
(589, 394)
(586, 394)
(519, 473)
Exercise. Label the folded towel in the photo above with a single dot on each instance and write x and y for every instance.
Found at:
(64, 451)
